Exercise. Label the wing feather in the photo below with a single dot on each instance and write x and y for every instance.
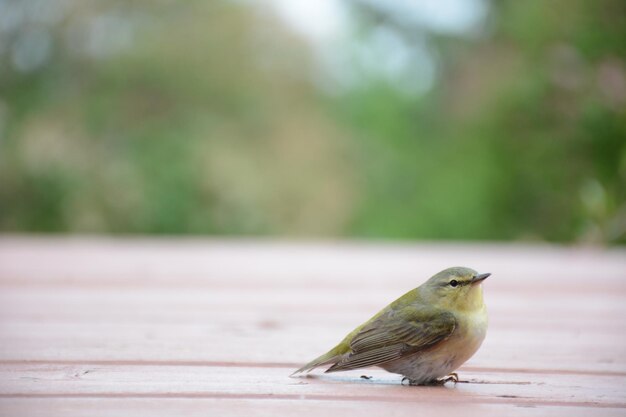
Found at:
(390, 337)
(368, 358)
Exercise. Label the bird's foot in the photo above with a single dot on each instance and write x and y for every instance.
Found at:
(409, 381)
(454, 377)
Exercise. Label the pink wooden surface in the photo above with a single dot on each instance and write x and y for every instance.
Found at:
(107, 327)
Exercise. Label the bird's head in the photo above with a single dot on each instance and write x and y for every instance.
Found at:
(456, 289)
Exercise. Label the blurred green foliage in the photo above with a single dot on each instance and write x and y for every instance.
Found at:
(524, 138)
(203, 117)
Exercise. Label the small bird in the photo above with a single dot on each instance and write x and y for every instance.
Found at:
(423, 335)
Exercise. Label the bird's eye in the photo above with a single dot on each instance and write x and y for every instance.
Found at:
(454, 283)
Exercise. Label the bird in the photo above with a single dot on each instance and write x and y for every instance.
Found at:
(424, 335)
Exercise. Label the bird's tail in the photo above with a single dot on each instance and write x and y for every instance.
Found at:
(332, 356)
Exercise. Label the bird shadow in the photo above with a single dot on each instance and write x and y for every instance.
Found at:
(372, 380)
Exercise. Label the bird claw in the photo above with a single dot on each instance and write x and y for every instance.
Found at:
(454, 377)
(410, 381)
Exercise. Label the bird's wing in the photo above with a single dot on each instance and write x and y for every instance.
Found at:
(388, 338)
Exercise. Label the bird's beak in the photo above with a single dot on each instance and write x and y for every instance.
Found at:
(480, 278)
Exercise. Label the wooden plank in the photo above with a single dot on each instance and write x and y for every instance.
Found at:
(251, 383)
(237, 264)
(288, 345)
(186, 304)
(307, 407)
(112, 325)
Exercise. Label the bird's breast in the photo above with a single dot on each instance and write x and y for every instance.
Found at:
(467, 337)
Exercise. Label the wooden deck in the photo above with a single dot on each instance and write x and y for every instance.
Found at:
(104, 327)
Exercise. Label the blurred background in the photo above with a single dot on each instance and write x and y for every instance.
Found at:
(455, 119)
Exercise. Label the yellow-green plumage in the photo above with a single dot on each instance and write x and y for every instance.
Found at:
(424, 335)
